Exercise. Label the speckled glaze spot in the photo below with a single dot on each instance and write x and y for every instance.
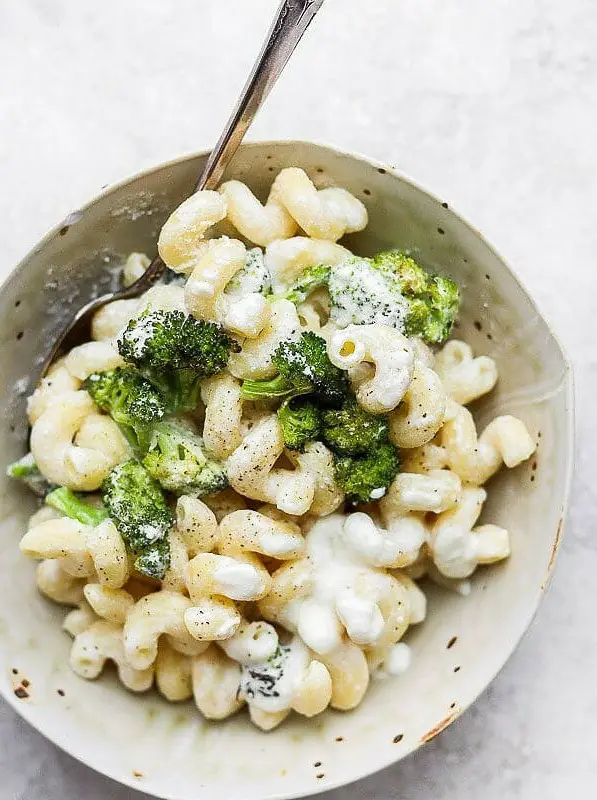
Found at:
(442, 725)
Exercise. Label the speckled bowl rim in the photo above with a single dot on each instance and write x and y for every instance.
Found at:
(66, 744)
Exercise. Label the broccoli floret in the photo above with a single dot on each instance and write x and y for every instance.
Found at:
(175, 351)
(177, 460)
(253, 277)
(410, 275)
(306, 365)
(365, 478)
(352, 431)
(304, 368)
(393, 289)
(76, 507)
(311, 279)
(271, 389)
(154, 560)
(300, 419)
(433, 299)
(26, 470)
(444, 302)
(138, 508)
(131, 400)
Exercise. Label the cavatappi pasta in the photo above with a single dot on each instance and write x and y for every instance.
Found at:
(282, 585)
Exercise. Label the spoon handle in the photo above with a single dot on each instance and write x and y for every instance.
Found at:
(290, 23)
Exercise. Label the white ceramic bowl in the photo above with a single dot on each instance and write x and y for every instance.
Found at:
(167, 749)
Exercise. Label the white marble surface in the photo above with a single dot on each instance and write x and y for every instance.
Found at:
(490, 105)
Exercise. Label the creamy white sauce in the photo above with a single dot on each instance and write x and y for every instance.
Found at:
(280, 544)
(237, 580)
(199, 290)
(247, 315)
(272, 684)
(396, 662)
(318, 624)
(337, 567)
(361, 295)
(151, 532)
(362, 618)
(381, 548)
(139, 335)
(253, 277)
(455, 551)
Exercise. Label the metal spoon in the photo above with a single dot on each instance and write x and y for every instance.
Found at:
(290, 23)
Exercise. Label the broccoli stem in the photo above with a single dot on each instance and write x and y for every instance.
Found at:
(267, 390)
(312, 278)
(188, 385)
(26, 470)
(25, 467)
(66, 501)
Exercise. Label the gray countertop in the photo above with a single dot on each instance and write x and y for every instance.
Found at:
(493, 107)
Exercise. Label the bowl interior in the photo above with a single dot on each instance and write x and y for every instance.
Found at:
(169, 750)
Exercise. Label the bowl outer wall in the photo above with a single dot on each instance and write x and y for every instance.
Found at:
(171, 752)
